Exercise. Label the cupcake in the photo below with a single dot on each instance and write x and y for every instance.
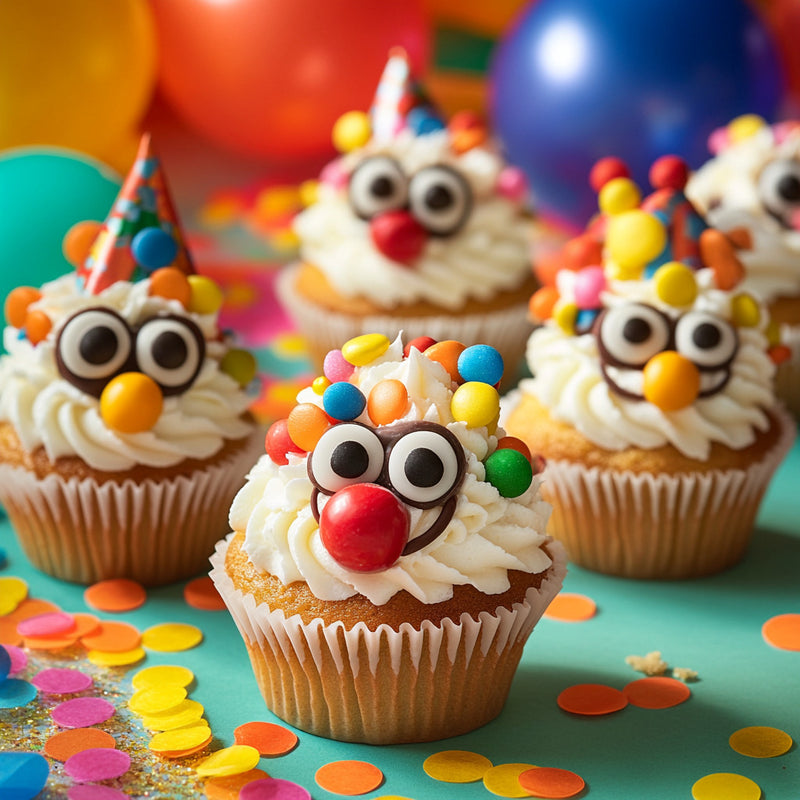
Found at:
(124, 428)
(388, 558)
(419, 226)
(652, 399)
(751, 189)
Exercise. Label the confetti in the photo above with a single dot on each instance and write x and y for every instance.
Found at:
(267, 737)
(125, 658)
(273, 789)
(184, 713)
(591, 699)
(171, 637)
(161, 675)
(5, 663)
(657, 692)
(30, 607)
(84, 624)
(228, 787)
(115, 595)
(571, 607)
(760, 741)
(113, 637)
(783, 632)
(229, 761)
(82, 712)
(14, 692)
(97, 764)
(456, 766)
(503, 780)
(86, 791)
(551, 782)
(60, 746)
(181, 739)
(13, 591)
(49, 624)
(156, 700)
(22, 775)
(726, 786)
(201, 593)
(18, 659)
(62, 681)
(348, 777)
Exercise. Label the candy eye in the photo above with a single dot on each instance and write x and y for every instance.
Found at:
(91, 347)
(440, 199)
(779, 186)
(378, 185)
(631, 334)
(171, 351)
(706, 340)
(424, 466)
(345, 454)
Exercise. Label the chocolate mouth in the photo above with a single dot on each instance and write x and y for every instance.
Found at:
(629, 383)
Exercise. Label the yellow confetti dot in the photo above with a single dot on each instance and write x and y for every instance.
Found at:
(503, 780)
(726, 786)
(229, 761)
(277, 200)
(156, 699)
(171, 637)
(634, 238)
(13, 591)
(760, 741)
(675, 284)
(365, 349)
(161, 675)
(350, 131)
(564, 315)
(456, 766)
(181, 738)
(744, 127)
(205, 297)
(745, 311)
(320, 384)
(101, 658)
(618, 195)
(475, 403)
(185, 713)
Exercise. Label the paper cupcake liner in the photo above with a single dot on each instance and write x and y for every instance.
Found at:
(506, 329)
(389, 685)
(659, 526)
(787, 376)
(153, 532)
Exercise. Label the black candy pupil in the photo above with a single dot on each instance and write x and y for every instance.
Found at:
(382, 187)
(423, 468)
(706, 336)
(438, 197)
(349, 459)
(636, 330)
(98, 345)
(789, 187)
(169, 350)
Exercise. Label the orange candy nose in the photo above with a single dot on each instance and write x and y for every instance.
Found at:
(131, 403)
(671, 381)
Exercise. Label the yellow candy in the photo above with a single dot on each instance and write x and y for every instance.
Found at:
(745, 311)
(475, 403)
(231, 760)
(206, 296)
(675, 284)
(240, 365)
(634, 238)
(320, 384)
(162, 675)
(309, 191)
(351, 131)
(671, 381)
(564, 315)
(744, 127)
(618, 195)
(773, 333)
(365, 349)
(131, 403)
(614, 272)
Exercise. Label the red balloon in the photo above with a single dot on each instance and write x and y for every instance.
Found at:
(270, 77)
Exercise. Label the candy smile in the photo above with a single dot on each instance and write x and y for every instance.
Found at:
(630, 382)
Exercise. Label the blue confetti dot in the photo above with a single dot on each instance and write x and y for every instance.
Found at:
(153, 248)
(22, 775)
(5, 664)
(3, 556)
(481, 362)
(343, 401)
(14, 693)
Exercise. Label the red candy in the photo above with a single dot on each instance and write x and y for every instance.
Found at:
(582, 251)
(422, 343)
(512, 443)
(398, 236)
(279, 444)
(605, 170)
(669, 172)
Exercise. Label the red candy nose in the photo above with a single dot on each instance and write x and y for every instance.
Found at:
(398, 235)
(364, 527)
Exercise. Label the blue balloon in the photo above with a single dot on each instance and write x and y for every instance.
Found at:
(576, 80)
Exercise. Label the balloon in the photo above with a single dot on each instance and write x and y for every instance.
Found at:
(75, 73)
(42, 194)
(270, 77)
(576, 80)
(783, 17)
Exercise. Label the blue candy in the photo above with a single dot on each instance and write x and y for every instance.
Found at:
(421, 120)
(153, 248)
(22, 775)
(343, 401)
(481, 362)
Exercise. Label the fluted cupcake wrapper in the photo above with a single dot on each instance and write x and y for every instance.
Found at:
(787, 375)
(153, 532)
(389, 685)
(642, 525)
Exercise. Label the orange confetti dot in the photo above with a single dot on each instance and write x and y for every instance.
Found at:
(171, 283)
(84, 625)
(31, 607)
(305, 424)
(269, 739)
(569, 607)
(201, 593)
(17, 302)
(48, 642)
(349, 777)
(37, 326)
(591, 699)
(551, 782)
(657, 692)
(228, 787)
(783, 632)
(64, 744)
(116, 594)
(113, 637)
(387, 401)
(760, 741)
(447, 353)
(503, 779)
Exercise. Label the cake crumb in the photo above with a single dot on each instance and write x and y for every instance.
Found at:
(651, 664)
(684, 674)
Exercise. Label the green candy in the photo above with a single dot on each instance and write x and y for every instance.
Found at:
(509, 472)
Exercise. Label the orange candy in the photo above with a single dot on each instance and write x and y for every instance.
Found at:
(671, 381)
(717, 253)
(387, 401)
(78, 241)
(17, 302)
(542, 302)
(305, 424)
(37, 326)
(172, 284)
(131, 403)
(447, 353)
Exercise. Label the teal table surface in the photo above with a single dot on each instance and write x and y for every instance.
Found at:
(711, 625)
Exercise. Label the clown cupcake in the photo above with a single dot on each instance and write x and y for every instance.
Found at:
(388, 560)
(652, 400)
(123, 417)
(751, 189)
(419, 226)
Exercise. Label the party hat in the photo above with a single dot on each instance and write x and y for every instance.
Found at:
(142, 232)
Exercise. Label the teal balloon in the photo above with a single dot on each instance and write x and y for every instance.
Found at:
(43, 193)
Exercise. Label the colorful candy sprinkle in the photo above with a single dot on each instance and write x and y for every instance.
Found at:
(387, 401)
(171, 284)
(745, 311)
(336, 367)
(305, 424)
(509, 472)
(675, 284)
(477, 404)
(240, 365)
(279, 444)
(131, 403)
(205, 295)
(343, 401)
(365, 349)
(480, 362)
(447, 353)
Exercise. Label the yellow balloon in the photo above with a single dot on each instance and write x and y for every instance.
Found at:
(75, 73)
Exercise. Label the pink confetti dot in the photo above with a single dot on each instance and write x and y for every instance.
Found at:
(97, 764)
(81, 712)
(49, 624)
(61, 681)
(18, 659)
(273, 789)
(88, 792)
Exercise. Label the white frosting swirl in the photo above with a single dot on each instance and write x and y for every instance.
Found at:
(569, 383)
(487, 536)
(47, 411)
(488, 255)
